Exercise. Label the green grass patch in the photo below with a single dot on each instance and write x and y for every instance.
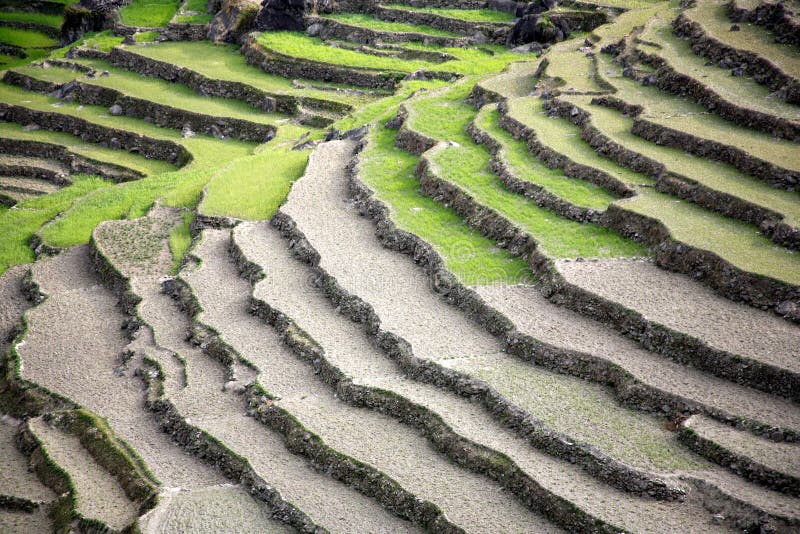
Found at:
(193, 12)
(714, 175)
(365, 21)
(475, 260)
(92, 151)
(51, 74)
(18, 225)
(445, 117)
(468, 60)
(180, 239)
(471, 15)
(515, 154)
(26, 38)
(740, 243)
(224, 62)
(175, 95)
(149, 13)
(254, 187)
(42, 19)
(146, 37)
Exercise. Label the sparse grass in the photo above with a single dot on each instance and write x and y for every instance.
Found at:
(740, 243)
(18, 225)
(472, 15)
(365, 21)
(445, 117)
(42, 19)
(50, 74)
(682, 114)
(711, 174)
(525, 166)
(712, 16)
(573, 69)
(149, 13)
(180, 239)
(146, 37)
(193, 12)
(26, 38)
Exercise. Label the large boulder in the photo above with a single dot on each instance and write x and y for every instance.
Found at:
(234, 20)
(282, 15)
(534, 8)
(538, 28)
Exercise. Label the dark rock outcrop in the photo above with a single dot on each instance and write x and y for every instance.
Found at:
(234, 20)
(282, 15)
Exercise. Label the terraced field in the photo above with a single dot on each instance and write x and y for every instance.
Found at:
(416, 266)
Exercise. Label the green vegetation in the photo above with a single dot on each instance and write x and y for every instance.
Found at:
(711, 174)
(254, 187)
(146, 37)
(193, 12)
(26, 38)
(515, 154)
(43, 19)
(224, 62)
(365, 21)
(445, 117)
(469, 60)
(389, 171)
(91, 151)
(149, 13)
(471, 15)
(19, 224)
(180, 239)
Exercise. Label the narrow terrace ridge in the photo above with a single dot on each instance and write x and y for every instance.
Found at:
(32, 167)
(81, 156)
(739, 99)
(396, 450)
(89, 370)
(673, 120)
(167, 105)
(97, 494)
(493, 25)
(16, 479)
(775, 465)
(262, 245)
(211, 69)
(365, 29)
(712, 185)
(525, 118)
(754, 49)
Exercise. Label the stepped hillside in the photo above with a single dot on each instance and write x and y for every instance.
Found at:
(465, 266)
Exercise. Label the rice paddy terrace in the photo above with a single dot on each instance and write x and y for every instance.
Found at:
(464, 266)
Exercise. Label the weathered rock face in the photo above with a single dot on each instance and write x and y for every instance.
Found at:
(233, 20)
(538, 28)
(282, 15)
(87, 16)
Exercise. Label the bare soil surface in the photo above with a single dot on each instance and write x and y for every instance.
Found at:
(14, 302)
(211, 510)
(471, 501)
(27, 185)
(24, 523)
(98, 494)
(536, 316)
(780, 457)
(15, 478)
(677, 302)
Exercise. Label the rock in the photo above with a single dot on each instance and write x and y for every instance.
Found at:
(234, 19)
(537, 28)
(717, 519)
(417, 75)
(281, 15)
(31, 127)
(115, 110)
(187, 132)
(129, 40)
(394, 123)
(534, 8)
(735, 28)
(216, 132)
(114, 143)
(104, 74)
(479, 38)
(314, 29)
(738, 72)
(527, 48)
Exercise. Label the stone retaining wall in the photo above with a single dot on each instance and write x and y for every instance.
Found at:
(771, 15)
(334, 29)
(494, 32)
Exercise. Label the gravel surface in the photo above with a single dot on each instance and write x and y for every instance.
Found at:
(74, 348)
(99, 496)
(781, 457)
(213, 510)
(686, 306)
(536, 316)
(41, 163)
(27, 185)
(469, 500)
(15, 478)
(261, 244)
(22, 523)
